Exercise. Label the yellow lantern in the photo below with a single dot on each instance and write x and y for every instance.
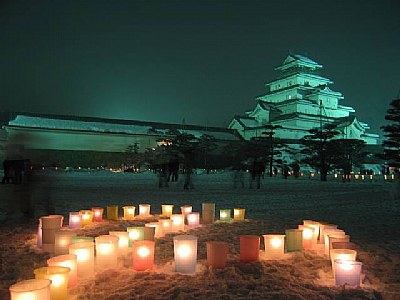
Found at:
(129, 212)
(144, 210)
(167, 209)
(68, 261)
(32, 289)
(178, 222)
(86, 217)
(59, 280)
(238, 214)
(274, 246)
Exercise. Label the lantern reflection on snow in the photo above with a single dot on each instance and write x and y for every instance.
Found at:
(217, 254)
(135, 234)
(144, 210)
(193, 219)
(143, 255)
(167, 209)
(238, 214)
(59, 280)
(249, 248)
(129, 212)
(294, 240)
(68, 261)
(106, 251)
(84, 252)
(347, 272)
(86, 217)
(62, 240)
(123, 241)
(274, 245)
(178, 222)
(308, 236)
(112, 213)
(32, 289)
(208, 213)
(97, 214)
(185, 253)
(74, 220)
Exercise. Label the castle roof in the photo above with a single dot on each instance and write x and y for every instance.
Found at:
(293, 60)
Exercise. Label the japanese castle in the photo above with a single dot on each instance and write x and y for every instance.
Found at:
(298, 100)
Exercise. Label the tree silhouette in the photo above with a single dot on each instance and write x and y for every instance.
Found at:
(391, 152)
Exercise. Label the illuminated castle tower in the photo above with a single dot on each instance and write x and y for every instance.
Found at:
(299, 100)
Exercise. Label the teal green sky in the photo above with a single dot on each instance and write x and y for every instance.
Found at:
(204, 61)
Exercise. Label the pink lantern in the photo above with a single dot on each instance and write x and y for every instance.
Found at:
(347, 272)
(193, 219)
(97, 214)
(143, 255)
(68, 261)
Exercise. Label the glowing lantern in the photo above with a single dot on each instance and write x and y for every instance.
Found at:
(32, 289)
(112, 212)
(62, 240)
(167, 210)
(217, 254)
(84, 252)
(144, 210)
(149, 233)
(342, 254)
(186, 209)
(143, 255)
(225, 215)
(86, 217)
(59, 280)
(208, 213)
(178, 222)
(294, 240)
(157, 229)
(68, 261)
(74, 220)
(315, 225)
(308, 236)
(185, 253)
(39, 235)
(249, 248)
(50, 224)
(97, 214)
(123, 241)
(129, 212)
(106, 251)
(334, 232)
(135, 234)
(166, 225)
(193, 219)
(238, 214)
(274, 246)
(335, 238)
(322, 228)
(347, 272)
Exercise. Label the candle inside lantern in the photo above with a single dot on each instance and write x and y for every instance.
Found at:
(217, 254)
(274, 246)
(178, 222)
(294, 240)
(342, 254)
(32, 289)
(185, 253)
(167, 209)
(112, 212)
(62, 240)
(225, 215)
(166, 225)
(50, 224)
(193, 219)
(238, 214)
(144, 210)
(143, 255)
(129, 212)
(186, 209)
(308, 236)
(86, 217)
(106, 251)
(249, 248)
(74, 220)
(68, 261)
(84, 252)
(97, 214)
(59, 280)
(135, 234)
(347, 272)
(123, 241)
(208, 213)
(315, 225)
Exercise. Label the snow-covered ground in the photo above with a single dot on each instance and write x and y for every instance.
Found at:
(363, 209)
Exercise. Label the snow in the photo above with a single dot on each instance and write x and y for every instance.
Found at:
(363, 209)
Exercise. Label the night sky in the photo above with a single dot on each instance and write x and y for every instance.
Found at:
(202, 61)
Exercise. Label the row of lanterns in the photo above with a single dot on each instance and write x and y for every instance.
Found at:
(75, 256)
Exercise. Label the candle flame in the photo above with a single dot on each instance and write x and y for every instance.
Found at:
(57, 280)
(236, 212)
(143, 251)
(223, 215)
(184, 251)
(276, 242)
(134, 235)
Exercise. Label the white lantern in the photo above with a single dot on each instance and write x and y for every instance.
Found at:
(166, 225)
(185, 253)
(50, 224)
(193, 219)
(274, 246)
(123, 241)
(342, 254)
(84, 252)
(178, 222)
(106, 251)
(32, 289)
(62, 241)
(144, 210)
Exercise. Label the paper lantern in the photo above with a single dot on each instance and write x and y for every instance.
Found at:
(167, 210)
(68, 261)
(308, 236)
(74, 220)
(274, 245)
(143, 255)
(149, 233)
(129, 212)
(166, 225)
(39, 235)
(208, 213)
(84, 252)
(343, 245)
(144, 210)
(112, 213)
(185, 253)
(50, 224)
(322, 228)
(294, 240)
(347, 272)
(193, 219)
(157, 229)
(342, 254)
(334, 233)
(86, 217)
(225, 215)
(315, 225)
(82, 239)
(59, 280)
(123, 241)
(334, 238)
(238, 214)
(249, 248)
(186, 209)
(178, 223)
(135, 234)
(32, 289)
(97, 214)
(62, 240)
(106, 251)
(217, 254)
(60, 217)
